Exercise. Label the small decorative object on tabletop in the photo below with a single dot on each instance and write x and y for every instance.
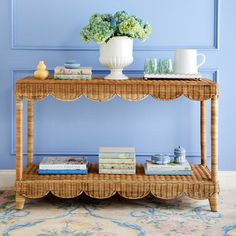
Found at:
(160, 159)
(186, 61)
(151, 67)
(165, 66)
(170, 168)
(185, 66)
(63, 165)
(71, 65)
(179, 155)
(41, 72)
(115, 34)
(72, 70)
(161, 164)
(114, 160)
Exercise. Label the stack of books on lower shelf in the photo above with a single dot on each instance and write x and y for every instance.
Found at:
(117, 160)
(63, 166)
(83, 73)
(167, 169)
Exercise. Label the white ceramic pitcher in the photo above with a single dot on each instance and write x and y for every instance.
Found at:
(186, 61)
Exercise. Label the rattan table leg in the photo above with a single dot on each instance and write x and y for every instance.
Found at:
(20, 201)
(30, 116)
(203, 132)
(214, 151)
(213, 200)
(19, 150)
(19, 139)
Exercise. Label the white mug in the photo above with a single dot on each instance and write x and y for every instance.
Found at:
(186, 61)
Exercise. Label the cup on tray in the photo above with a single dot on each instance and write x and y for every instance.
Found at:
(165, 66)
(150, 66)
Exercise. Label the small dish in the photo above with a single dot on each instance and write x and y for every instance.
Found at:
(160, 159)
(71, 62)
(72, 66)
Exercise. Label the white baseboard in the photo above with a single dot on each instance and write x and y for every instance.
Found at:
(226, 179)
(7, 179)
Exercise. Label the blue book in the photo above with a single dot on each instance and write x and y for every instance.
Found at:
(167, 172)
(62, 172)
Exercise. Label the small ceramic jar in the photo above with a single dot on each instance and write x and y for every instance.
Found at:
(179, 155)
(160, 159)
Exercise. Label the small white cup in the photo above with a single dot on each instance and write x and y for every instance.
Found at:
(186, 61)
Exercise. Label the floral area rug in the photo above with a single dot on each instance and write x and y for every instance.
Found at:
(84, 216)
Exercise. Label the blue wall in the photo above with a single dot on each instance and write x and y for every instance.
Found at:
(49, 30)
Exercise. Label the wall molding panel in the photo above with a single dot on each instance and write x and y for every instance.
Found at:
(15, 44)
(80, 127)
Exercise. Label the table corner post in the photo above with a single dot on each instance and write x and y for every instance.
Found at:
(214, 139)
(203, 132)
(213, 200)
(30, 132)
(19, 138)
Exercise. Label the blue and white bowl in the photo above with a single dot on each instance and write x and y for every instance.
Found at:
(160, 159)
(71, 64)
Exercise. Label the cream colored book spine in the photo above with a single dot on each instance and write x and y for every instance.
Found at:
(117, 166)
(116, 150)
(107, 171)
(171, 166)
(117, 161)
(116, 155)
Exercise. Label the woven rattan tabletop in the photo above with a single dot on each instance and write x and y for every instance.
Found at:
(100, 89)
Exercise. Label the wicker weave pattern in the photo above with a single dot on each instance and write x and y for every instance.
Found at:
(203, 184)
(103, 90)
(106, 185)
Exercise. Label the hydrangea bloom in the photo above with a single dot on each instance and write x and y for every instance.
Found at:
(121, 16)
(102, 27)
(130, 28)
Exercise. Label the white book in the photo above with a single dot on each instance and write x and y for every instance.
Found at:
(167, 172)
(82, 77)
(120, 155)
(62, 167)
(117, 160)
(80, 71)
(116, 150)
(107, 171)
(117, 166)
(63, 163)
(170, 166)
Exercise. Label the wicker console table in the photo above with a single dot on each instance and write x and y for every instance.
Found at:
(203, 184)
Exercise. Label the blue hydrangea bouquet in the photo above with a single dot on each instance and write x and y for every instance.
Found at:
(102, 27)
(115, 34)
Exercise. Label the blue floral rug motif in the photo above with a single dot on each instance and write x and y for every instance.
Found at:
(84, 216)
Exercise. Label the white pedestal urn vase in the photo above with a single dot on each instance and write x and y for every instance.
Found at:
(116, 54)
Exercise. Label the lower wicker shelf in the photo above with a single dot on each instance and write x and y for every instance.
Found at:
(198, 186)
